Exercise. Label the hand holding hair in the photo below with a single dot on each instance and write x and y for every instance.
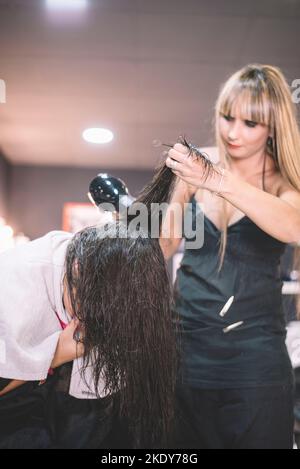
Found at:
(194, 167)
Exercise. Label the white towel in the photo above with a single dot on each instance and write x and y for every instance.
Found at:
(30, 297)
(84, 388)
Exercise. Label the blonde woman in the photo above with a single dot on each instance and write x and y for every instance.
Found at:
(236, 386)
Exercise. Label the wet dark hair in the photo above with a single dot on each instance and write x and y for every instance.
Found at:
(120, 292)
(161, 187)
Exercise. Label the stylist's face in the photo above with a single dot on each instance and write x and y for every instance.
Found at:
(242, 138)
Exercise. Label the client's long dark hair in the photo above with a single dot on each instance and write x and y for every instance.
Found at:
(120, 292)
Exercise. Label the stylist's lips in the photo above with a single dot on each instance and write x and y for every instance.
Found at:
(230, 145)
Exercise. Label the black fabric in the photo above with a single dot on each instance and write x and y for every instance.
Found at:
(45, 417)
(4, 383)
(253, 354)
(248, 418)
(23, 422)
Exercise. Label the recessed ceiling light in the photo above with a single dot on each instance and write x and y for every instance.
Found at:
(96, 135)
(66, 4)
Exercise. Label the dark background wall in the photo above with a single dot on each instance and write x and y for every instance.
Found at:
(4, 185)
(37, 194)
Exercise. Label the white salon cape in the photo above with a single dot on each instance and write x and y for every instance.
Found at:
(31, 290)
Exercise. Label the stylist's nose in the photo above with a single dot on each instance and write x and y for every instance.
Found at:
(233, 131)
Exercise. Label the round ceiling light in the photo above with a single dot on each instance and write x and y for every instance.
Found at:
(97, 135)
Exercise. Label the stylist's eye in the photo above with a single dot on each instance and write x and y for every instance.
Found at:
(227, 117)
(250, 123)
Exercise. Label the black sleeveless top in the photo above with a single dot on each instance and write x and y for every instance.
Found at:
(253, 354)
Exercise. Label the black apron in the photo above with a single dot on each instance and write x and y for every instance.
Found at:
(253, 354)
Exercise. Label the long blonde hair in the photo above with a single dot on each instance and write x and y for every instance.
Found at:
(265, 98)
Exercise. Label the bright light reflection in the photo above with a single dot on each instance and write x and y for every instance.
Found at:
(66, 4)
(96, 135)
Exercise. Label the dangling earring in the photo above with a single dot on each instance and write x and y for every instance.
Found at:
(270, 142)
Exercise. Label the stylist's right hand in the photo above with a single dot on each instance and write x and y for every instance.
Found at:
(193, 170)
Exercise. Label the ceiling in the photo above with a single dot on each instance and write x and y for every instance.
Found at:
(147, 69)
